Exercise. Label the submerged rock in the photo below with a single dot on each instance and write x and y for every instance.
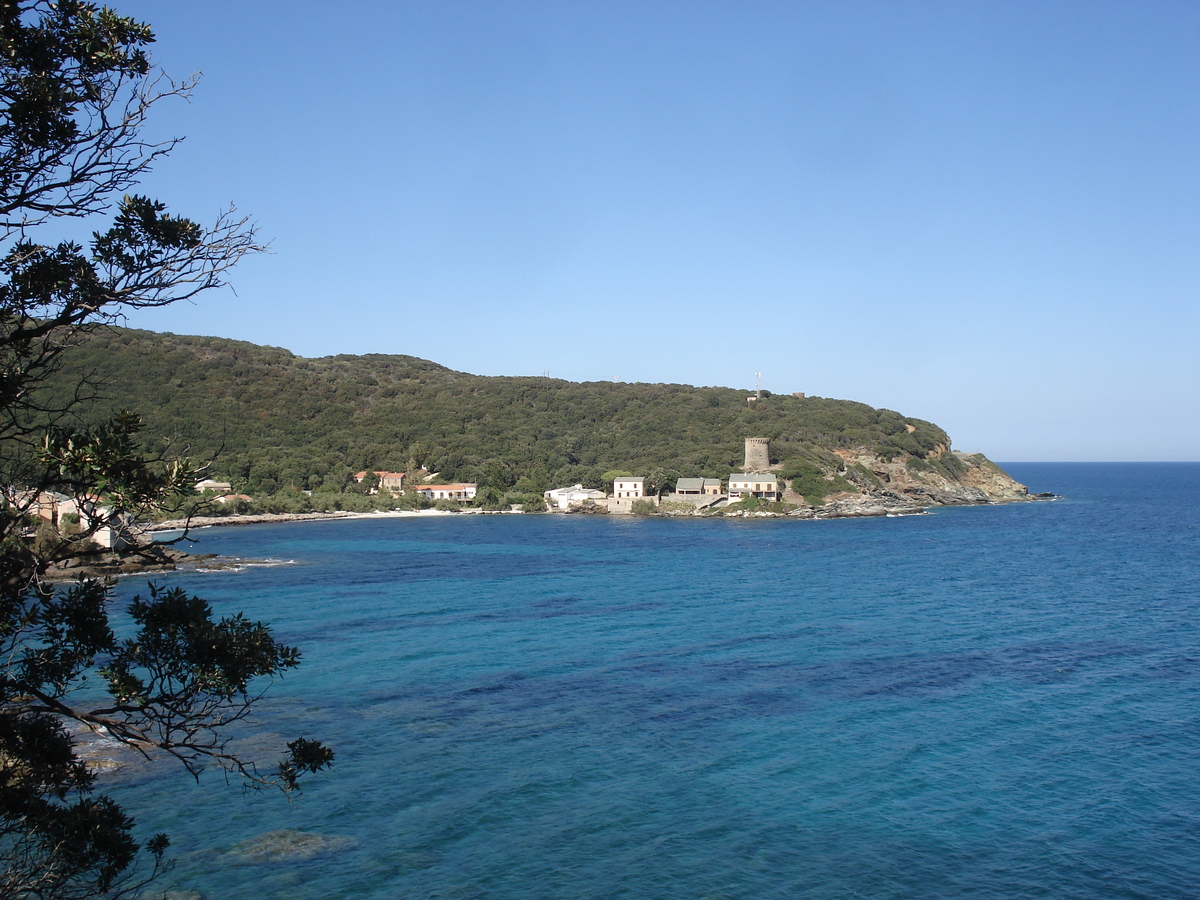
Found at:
(287, 845)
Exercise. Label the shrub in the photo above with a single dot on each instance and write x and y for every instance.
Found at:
(861, 476)
(412, 500)
(529, 502)
(287, 502)
(813, 484)
(953, 465)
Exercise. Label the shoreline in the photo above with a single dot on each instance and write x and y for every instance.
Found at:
(874, 507)
(277, 518)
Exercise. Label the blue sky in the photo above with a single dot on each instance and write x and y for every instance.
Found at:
(982, 214)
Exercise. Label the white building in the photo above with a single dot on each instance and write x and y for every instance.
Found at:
(629, 487)
(765, 486)
(460, 492)
(576, 495)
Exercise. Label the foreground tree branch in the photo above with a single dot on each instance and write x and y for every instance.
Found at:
(76, 88)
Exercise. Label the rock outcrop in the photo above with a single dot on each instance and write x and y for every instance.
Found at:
(148, 557)
(946, 479)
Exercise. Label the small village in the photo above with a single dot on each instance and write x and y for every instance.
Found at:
(88, 518)
(89, 522)
(627, 490)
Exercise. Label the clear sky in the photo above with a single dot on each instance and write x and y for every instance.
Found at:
(984, 214)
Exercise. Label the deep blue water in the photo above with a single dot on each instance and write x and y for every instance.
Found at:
(983, 702)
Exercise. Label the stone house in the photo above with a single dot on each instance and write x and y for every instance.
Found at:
(388, 481)
(702, 487)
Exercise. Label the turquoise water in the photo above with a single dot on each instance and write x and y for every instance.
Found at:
(983, 702)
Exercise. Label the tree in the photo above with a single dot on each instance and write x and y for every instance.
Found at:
(369, 483)
(657, 481)
(76, 87)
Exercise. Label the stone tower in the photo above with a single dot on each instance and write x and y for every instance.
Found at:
(758, 457)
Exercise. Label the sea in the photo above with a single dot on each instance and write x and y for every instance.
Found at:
(981, 702)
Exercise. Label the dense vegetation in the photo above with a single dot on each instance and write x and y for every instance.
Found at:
(274, 421)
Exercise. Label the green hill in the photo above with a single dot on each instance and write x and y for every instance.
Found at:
(274, 420)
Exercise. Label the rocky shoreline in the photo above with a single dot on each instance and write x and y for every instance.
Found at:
(870, 505)
(145, 559)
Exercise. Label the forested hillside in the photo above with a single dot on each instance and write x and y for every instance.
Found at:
(274, 420)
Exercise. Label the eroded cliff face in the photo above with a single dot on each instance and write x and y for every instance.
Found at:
(984, 474)
(943, 479)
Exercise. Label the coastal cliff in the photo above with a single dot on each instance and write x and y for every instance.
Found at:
(902, 488)
(947, 478)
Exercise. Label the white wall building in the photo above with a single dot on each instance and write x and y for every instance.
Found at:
(576, 495)
(745, 484)
(629, 487)
(460, 492)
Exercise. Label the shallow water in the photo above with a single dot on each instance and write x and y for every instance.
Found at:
(983, 702)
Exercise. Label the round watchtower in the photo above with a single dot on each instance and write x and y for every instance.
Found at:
(758, 456)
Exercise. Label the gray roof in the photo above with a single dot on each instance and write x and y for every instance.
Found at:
(690, 484)
(752, 476)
